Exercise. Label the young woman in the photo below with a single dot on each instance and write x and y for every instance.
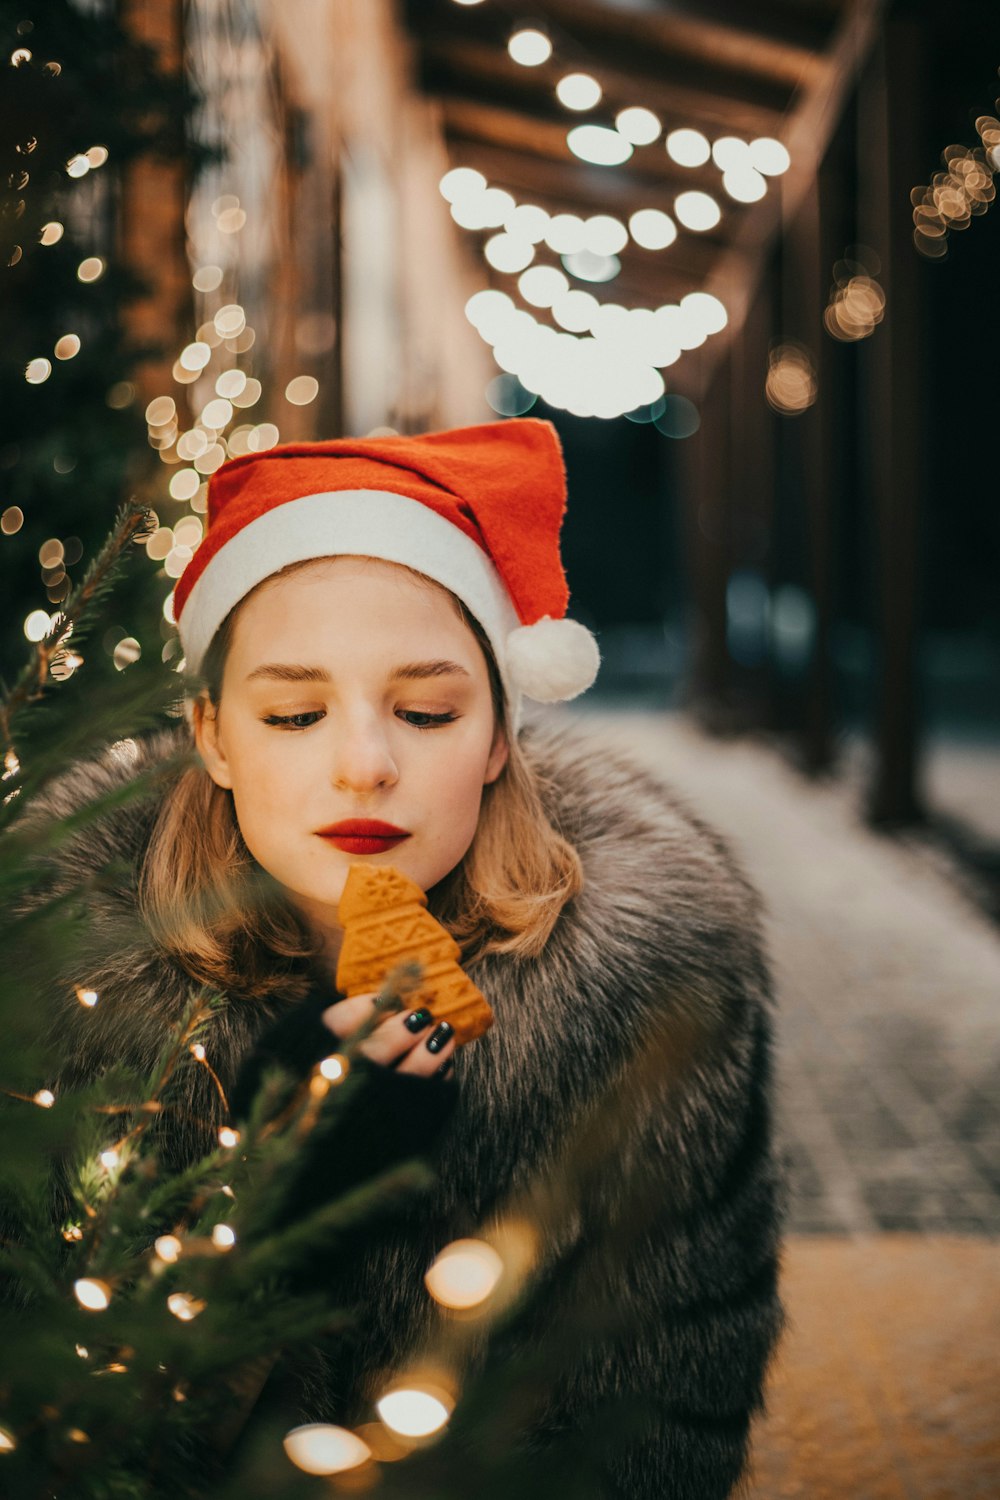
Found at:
(360, 624)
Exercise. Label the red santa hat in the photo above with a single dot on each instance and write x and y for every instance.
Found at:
(477, 509)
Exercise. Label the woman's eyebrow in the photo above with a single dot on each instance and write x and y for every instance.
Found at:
(412, 671)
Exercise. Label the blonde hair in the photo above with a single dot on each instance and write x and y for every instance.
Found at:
(214, 910)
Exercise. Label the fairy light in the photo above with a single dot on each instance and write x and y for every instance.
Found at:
(197, 1051)
(185, 1307)
(228, 1137)
(90, 269)
(45, 1098)
(207, 278)
(414, 1412)
(73, 1234)
(195, 356)
(77, 166)
(168, 1248)
(92, 1294)
(578, 91)
(37, 371)
(87, 998)
(82, 1351)
(8, 1442)
(51, 233)
(223, 1237)
(697, 211)
(334, 1068)
(110, 1159)
(652, 229)
(464, 1275)
(67, 347)
(638, 125)
(599, 145)
(320, 1448)
(529, 47)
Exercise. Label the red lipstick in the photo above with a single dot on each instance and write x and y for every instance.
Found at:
(363, 835)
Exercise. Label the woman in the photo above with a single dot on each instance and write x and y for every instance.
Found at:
(359, 626)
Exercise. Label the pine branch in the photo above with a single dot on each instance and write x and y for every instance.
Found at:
(131, 525)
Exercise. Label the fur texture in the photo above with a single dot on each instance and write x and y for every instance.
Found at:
(623, 1091)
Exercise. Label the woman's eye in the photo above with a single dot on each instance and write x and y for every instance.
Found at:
(295, 721)
(427, 721)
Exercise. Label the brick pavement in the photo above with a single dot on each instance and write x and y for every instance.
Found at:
(888, 1115)
(888, 981)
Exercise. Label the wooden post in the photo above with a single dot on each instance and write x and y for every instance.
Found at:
(891, 164)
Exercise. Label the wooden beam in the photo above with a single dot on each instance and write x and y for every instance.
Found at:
(811, 126)
(454, 61)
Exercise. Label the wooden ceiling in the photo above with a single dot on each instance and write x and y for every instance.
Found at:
(774, 67)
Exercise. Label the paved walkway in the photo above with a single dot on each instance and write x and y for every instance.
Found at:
(888, 1114)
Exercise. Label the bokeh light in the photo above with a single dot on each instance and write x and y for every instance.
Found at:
(578, 91)
(598, 145)
(688, 148)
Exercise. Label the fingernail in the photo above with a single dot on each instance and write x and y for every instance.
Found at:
(440, 1036)
(418, 1019)
(445, 1068)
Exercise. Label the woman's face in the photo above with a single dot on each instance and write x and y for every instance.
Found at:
(352, 690)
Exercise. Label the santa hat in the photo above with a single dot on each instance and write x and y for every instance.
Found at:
(477, 509)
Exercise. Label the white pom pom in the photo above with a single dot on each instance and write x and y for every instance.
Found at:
(552, 660)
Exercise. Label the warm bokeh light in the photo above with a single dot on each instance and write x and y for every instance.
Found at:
(652, 229)
(37, 625)
(126, 653)
(688, 148)
(223, 1237)
(37, 371)
(12, 520)
(195, 356)
(530, 47)
(790, 386)
(575, 311)
(90, 269)
(67, 347)
(87, 998)
(217, 413)
(207, 278)
(230, 321)
(730, 154)
(168, 1248)
(322, 1449)
(228, 1137)
(7, 1441)
(578, 91)
(92, 1294)
(598, 145)
(249, 395)
(77, 166)
(230, 383)
(185, 1307)
(464, 1274)
(638, 125)
(51, 233)
(97, 156)
(160, 411)
(333, 1068)
(184, 483)
(45, 1098)
(414, 1413)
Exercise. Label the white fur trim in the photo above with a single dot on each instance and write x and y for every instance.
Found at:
(552, 660)
(357, 523)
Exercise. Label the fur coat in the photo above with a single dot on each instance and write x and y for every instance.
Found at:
(629, 1064)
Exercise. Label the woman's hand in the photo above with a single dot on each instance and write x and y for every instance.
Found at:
(411, 1042)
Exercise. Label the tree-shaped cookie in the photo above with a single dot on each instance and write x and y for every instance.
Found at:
(386, 922)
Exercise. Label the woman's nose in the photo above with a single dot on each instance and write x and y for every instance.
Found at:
(362, 758)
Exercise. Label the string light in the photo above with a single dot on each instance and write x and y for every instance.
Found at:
(92, 1294)
(652, 229)
(529, 47)
(185, 1307)
(638, 125)
(769, 156)
(90, 269)
(322, 1449)
(791, 386)
(51, 233)
(37, 371)
(464, 1275)
(168, 1248)
(228, 1137)
(697, 211)
(414, 1413)
(12, 520)
(688, 148)
(45, 1098)
(578, 91)
(87, 998)
(7, 1441)
(334, 1068)
(223, 1237)
(110, 1159)
(598, 145)
(67, 347)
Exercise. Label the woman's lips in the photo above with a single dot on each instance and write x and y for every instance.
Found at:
(363, 836)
